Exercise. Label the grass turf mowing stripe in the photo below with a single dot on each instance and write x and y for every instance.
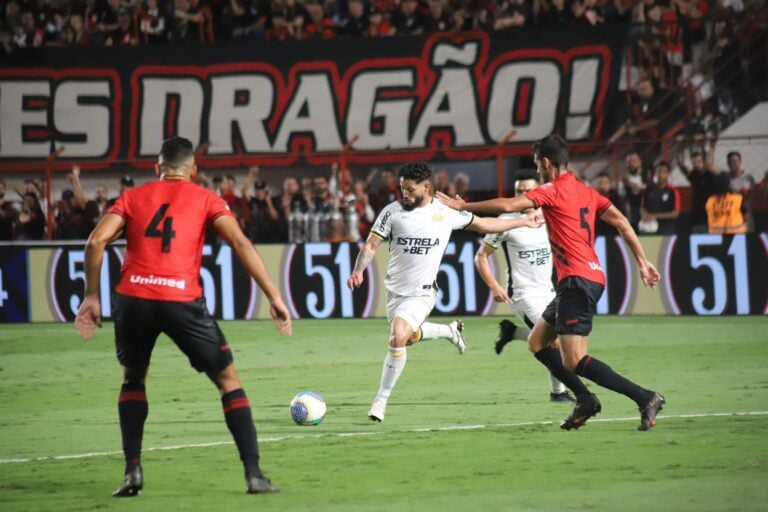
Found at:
(355, 434)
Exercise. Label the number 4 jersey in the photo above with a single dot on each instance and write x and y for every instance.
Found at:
(570, 208)
(165, 225)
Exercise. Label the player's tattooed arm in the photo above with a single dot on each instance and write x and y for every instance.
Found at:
(363, 260)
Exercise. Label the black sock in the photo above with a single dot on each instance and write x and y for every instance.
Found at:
(237, 413)
(603, 375)
(553, 360)
(133, 409)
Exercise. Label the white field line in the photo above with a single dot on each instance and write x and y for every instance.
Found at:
(273, 439)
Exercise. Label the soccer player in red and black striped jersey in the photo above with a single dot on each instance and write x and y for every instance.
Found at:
(570, 209)
(159, 291)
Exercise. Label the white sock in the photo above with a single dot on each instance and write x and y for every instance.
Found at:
(557, 386)
(390, 372)
(522, 332)
(430, 331)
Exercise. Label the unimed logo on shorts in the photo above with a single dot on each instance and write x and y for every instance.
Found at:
(315, 278)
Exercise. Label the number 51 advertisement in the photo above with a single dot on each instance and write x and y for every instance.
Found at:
(701, 275)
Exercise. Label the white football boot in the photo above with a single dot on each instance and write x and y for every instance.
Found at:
(376, 413)
(457, 335)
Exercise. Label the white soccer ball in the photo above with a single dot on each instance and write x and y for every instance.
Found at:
(308, 408)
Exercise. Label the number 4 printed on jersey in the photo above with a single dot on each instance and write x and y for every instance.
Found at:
(167, 234)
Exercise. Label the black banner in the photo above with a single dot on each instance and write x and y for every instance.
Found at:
(398, 98)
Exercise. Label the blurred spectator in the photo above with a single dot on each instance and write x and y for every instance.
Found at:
(588, 13)
(26, 34)
(758, 201)
(317, 25)
(553, 13)
(359, 202)
(189, 20)
(408, 20)
(701, 176)
(461, 184)
(322, 197)
(280, 30)
(74, 33)
(154, 23)
(30, 224)
(442, 181)
(245, 21)
(8, 214)
(69, 217)
(378, 25)
(357, 22)
(740, 181)
(291, 198)
(634, 180)
(727, 71)
(123, 34)
(439, 19)
(296, 15)
(645, 110)
(725, 209)
(660, 205)
(126, 182)
(291, 202)
(602, 183)
(389, 190)
(511, 13)
(474, 15)
(106, 22)
(261, 217)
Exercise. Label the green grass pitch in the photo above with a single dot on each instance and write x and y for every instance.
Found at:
(473, 432)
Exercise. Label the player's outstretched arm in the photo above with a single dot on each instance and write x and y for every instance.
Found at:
(364, 259)
(615, 218)
(498, 225)
(490, 207)
(228, 228)
(484, 269)
(89, 314)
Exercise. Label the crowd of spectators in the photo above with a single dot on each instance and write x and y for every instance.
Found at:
(723, 200)
(675, 26)
(322, 208)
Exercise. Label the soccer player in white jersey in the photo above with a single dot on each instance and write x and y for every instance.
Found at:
(529, 277)
(418, 228)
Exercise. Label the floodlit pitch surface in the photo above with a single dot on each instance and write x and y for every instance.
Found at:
(473, 432)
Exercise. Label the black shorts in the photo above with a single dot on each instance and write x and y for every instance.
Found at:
(138, 323)
(572, 309)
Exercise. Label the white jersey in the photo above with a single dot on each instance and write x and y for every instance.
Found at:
(529, 259)
(417, 241)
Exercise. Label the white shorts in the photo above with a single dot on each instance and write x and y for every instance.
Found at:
(529, 309)
(413, 310)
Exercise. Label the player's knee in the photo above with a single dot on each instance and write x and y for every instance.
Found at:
(399, 337)
(570, 361)
(226, 380)
(134, 375)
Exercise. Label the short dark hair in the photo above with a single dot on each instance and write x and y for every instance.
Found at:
(527, 174)
(663, 163)
(416, 171)
(696, 153)
(732, 153)
(603, 174)
(176, 150)
(553, 147)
